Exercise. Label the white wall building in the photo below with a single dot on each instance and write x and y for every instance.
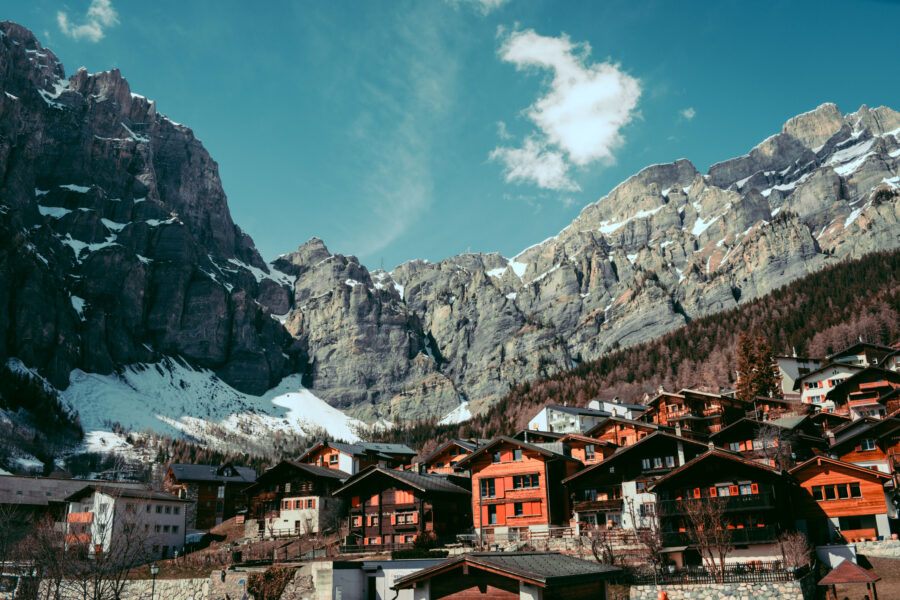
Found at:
(815, 385)
(134, 525)
(566, 419)
(793, 368)
(304, 515)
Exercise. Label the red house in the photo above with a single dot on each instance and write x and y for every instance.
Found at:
(445, 457)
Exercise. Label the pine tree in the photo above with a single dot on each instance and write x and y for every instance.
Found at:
(746, 361)
(766, 375)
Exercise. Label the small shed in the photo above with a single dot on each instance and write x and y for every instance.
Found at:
(849, 572)
(510, 576)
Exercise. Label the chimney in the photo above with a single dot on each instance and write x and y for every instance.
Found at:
(829, 435)
(678, 430)
(711, 446)
(680, 447)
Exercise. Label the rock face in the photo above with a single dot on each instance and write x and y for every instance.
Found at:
(668, 245)
(116, 243)
(116, 247)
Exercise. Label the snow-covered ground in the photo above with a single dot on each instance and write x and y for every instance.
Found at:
(457, 415)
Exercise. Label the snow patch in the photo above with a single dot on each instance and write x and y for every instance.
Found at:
(611, 226)
(55, 212)
(511, 296)
(78, 305)
(76, 188)
(518, 268)
(701, 225)
(457, 415)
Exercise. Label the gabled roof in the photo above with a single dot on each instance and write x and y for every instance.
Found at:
(421, 482)
(525, 445)
(336, 475)
(887, 374)
(872, 428)
(788, 423)
(849, 572)
(118, 492)
(545, 569)
(189, 472)
(550, 434)
(624, 421)
(586, 439)
(40, 491)
(626, 449)
(825, 367)
(464, 444)
(714, 453)
(856, 348)
(578, 410)
(361, 449)
(818, 460)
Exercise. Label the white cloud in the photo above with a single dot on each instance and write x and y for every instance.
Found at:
(535, 163)
(580, 116)
(688, 113)
(100, 14)
(482, 6)
(502, 132)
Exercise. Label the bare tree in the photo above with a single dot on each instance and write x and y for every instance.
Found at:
(707, 528)
(775, 443)
(647, 530)
(795, 549)
(601, 541)
(13, 527)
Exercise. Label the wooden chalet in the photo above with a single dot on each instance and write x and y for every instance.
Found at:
(756, 501)
(839, 502)
(216, 491)
(863, 394)
(763, 408)
(779, 443)
(391, 508)
(624, 432)
(694, 411)
(869, 443)
(294, 498)
(353, 458)
(516, 489)
(613, 494)
(510, 576)
(444, 458)
(587, 449)
(815, 385)
(864, 354)
(826, 421)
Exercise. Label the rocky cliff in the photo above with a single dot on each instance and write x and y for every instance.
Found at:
(117, 247)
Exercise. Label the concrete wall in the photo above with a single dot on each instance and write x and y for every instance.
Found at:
(139, 589)
(803, 589)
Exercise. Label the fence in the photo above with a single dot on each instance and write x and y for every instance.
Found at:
(754, 572)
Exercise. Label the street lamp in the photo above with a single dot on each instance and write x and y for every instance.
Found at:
(154, 571)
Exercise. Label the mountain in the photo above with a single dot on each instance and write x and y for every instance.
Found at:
(118, 254)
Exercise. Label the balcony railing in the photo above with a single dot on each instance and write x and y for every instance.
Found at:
(78, 538)
(80, 517)
(741, 502)
(747, 535)
(600, 505)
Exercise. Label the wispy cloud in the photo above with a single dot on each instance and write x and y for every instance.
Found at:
(688, 113)
(580, 116)
(100, 15)
(483, 6)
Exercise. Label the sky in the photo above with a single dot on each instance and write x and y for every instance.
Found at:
(397, 130)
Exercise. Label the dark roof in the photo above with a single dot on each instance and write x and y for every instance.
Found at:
(39, 491)
(887, 374)
(872, 428)
(585, 438)
(626, 449)
(363, 449)
(550, 434)
(124, 493)
(189, 472)
(818, 460)
(634, 422)
(789, 423)
(465, 444)
(857, 347)
(578, 410)
(544, 568)
(314, 470)
(825, 367)
(710, 454)
(423, 482)
(849, 572)
(503, 439)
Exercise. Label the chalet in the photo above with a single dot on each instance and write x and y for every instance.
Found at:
(841, 502)
(891, 361)
(294, 498)
(793, 368)
(781, 442)
(869, 443)
(30, 499)
(754, 500)
(763, 408)
(695, 411)
(390, 508)
(136, 525)
(516, 487)
(613, 494)
(862, 354)
(510, 576)
(538, 437)
(562, 418)
(624, 432)
(353, 458)
(861, 394)
(826, 421)
(816, 384)
(587, 449)
(445, 457)
(216, 492)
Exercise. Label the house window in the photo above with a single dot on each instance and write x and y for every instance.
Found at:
(310, 503)
(589, 452)
(867, 444)
(657, 462)
(168, 510)
(165, 529)
(220, 507)
(734, 446)
(496, 457)
(285, 505)
(745, 489)
(155, 549)
(174, 528)
(492, 514)
(645, 464)
(647, 509)
(176, 510)
(156, 528)
(521, 482)
(723, 490)
(670, 462)
(130, 507)
(159, 509)
(487, 488)
(641, 486)
(854, 490)
(220, 493)
(333, 459)
(149, 507)
(590, 495)
(517, 454)
(373, 520)
(517, 509)
(830, 493)
(405, 518)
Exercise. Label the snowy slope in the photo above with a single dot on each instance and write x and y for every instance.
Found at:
(457, 415)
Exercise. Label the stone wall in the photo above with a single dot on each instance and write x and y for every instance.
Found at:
(884, 548)
(802, 589)
(139, 589)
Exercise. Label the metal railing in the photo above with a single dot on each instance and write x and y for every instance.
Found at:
(747, 535)
(737, 502)
(752, 572)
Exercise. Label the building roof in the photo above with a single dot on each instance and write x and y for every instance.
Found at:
(118, 492)
(313, 470)
(578, 410)
(40, 491)
(886, 374)
(713, 453)
(189, 472)
(426, 482)
(361, 449)
(857, 348)
(550, 434)
(818, 460)
(870, 428)
(623, 420)
(849, 572)
(464, 444)
(656, 435)
(825, 367)
(586, 439)
(788, 423)
(539, 448)
(546, 569)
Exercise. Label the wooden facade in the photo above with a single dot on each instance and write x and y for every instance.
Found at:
(851, 497)
(353, 458)
(869, 443)
(586, 449)
(622, 432)
(516, 487)
(444, 458)
(694, 411)
(389, 508)
(860, 395)
(782, 442)
(217, 492)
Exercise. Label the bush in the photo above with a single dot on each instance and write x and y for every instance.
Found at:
(270, 584)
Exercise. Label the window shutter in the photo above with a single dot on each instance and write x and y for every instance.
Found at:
(733, 490)
(374, 500)
(511, 510)
(355, 501)
(754, 488)
(378, 540)
(501, 515)
(499, 485)
(536, 508)
(712, 492)
(415, 518)
(393, 519)
(696, 492)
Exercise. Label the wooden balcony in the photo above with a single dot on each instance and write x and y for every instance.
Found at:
(599, 505)
(78, 538)
(732, 503)
(747, 535)
(80, 517)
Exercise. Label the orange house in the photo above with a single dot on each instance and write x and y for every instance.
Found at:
(517, 489)
(623, 432)
(840, 502)
(444, 459)
(869, 443)
(695, 411)
(587, 449)
(353, 458)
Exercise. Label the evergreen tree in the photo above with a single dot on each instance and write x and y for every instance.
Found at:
(766, 374)
(746, 361)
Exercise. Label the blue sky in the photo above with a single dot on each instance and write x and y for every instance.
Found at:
(398, 129)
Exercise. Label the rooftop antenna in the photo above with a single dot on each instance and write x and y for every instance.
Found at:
(382, 263)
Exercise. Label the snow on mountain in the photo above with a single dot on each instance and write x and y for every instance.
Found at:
(457, 415)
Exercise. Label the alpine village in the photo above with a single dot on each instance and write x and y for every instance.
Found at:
(691, 392)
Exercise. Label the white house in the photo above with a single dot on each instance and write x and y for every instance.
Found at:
(566, 419)
(793, 368)
(814, 386)
(304, 515)
(134, 525)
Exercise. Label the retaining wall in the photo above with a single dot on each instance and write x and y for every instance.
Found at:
(884, 548)
(801, 589)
